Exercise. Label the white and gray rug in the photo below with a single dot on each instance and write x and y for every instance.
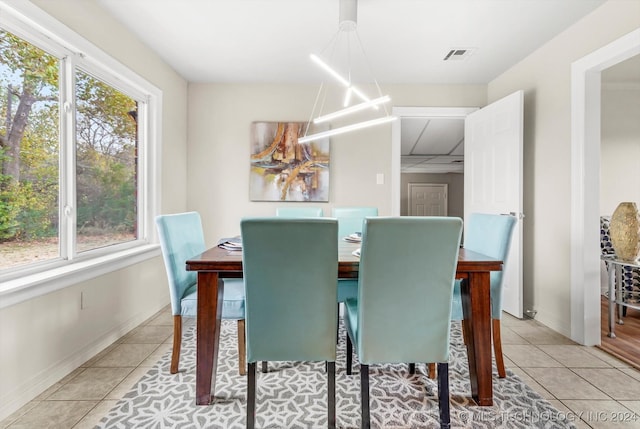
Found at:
(293, 395)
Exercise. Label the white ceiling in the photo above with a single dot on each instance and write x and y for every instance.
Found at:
(434, 145)
(405, 41)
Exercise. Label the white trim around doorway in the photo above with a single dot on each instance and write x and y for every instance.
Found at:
(585, 184)
(396, 127)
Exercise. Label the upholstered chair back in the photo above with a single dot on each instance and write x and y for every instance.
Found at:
(350, 218)
(181, 238)
(290, 272)
(407, 268)
(489, 234)
(299, 212)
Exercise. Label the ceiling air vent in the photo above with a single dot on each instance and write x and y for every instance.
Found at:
(458, 54)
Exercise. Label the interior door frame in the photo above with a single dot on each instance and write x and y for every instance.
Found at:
(396, 128)
(585, 183)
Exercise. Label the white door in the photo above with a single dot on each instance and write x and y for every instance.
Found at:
(493, 178)
(427, 199)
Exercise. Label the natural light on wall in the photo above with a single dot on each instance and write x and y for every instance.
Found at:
(339, 53)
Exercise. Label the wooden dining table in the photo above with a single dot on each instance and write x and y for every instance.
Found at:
(473, 268)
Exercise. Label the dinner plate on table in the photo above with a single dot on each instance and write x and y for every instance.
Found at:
(353, 238)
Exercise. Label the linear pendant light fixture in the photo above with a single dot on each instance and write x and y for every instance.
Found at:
(352, 109)
(347, 128)
(347, 27)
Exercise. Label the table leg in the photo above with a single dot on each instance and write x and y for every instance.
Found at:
(612, 305)
(210, 293)
(476, 306)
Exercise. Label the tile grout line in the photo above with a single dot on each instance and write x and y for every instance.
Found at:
(82, 421)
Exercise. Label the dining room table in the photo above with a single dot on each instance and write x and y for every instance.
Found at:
(473, 269)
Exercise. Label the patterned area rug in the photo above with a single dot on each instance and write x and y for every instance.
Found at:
(293, 395)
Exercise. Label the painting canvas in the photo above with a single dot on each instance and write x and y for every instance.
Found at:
(283, 169)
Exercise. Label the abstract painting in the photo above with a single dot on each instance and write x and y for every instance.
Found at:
(283, 169)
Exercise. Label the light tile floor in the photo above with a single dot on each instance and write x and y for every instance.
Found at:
(592, 387)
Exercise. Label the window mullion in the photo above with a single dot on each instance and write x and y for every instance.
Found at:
(67, 160)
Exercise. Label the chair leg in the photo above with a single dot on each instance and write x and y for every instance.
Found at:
(443, 395)
(251, 395)
(364, 396)
(265, 368)
(242, 349)
(331, 395)
(431, 370)
(349, 353)
(497, 348)
(412, 368)
(177, 340)
(338, 326)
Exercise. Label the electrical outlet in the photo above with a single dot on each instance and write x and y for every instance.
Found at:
(380, 179)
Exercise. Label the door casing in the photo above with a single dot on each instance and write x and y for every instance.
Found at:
(585, 184)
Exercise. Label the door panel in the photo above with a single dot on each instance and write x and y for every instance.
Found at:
(493, 178)
(426, 199)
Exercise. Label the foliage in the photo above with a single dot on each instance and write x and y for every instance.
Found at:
(9, 209)
(105, 149)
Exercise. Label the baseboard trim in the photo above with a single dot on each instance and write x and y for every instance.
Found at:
(553, 323)
(40, 382)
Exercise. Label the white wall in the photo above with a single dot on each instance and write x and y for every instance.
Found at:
(45, 338)
(620, 146)
(219, 122)
(545, 76)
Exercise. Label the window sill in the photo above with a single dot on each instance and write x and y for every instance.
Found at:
(31, 286)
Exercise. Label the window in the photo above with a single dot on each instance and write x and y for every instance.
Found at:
(29, 151)
(77, 158)
(106, 148)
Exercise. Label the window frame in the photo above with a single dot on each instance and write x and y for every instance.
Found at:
(27, 21)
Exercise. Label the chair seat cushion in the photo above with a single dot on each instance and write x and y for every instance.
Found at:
(232, 306)
(456, 303)
(347, 289)
(351, 313)
(189, 303)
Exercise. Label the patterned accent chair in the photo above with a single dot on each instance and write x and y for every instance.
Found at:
(630, 276)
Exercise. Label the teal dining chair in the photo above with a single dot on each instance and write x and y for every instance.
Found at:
(489, 234)
(181, 238)
(350, 218)
(290, 268)
(349, 221)
(295, 212)
(402, 312)
(299, 212)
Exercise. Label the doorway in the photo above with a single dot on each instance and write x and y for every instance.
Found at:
(396, 142)
(585, 195)
(620, 181)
